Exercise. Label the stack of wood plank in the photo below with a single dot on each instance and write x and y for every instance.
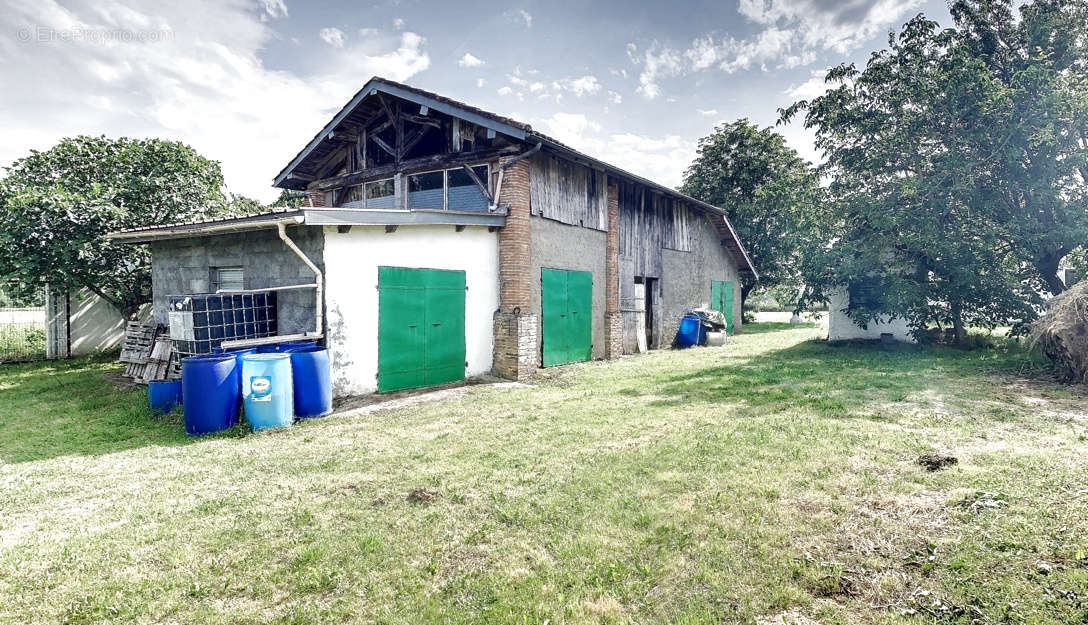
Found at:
(149, 353)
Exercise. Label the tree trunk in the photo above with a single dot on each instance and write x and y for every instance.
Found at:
(959, 332)
(746, 287)
(1047, 265)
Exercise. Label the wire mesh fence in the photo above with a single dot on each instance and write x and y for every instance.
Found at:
(22, 334)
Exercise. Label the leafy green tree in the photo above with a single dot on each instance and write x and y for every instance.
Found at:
(57, 205)
(957, 173)
(291, 198)
(771, 195)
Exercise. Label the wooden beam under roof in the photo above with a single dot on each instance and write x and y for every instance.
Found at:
(479, 183)
(414, 165)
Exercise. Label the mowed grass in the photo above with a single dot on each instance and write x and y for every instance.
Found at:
(773, 480)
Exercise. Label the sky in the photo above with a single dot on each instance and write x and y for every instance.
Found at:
(249, 82)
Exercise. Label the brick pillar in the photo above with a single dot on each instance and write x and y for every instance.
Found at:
(613, 318)
(515, 322)
(317, 198)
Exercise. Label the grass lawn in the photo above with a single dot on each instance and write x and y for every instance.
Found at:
(772, 480)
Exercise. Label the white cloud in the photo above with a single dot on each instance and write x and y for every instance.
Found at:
(332, 36)
(838, 26)
(468, 60)
(398, 23)
(480, 82)
(707, 112)
(505, 91)
(657, 63)
(659, 159)
(615, 98)
(526, 17)
(811, 88)
(793, 33)
(201, 81)
(273, 9)
(570, 127)
(584, 85)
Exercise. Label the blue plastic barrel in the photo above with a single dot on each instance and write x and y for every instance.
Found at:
(209, 391)
(267, 391)
(290, 345)
(164, 395)
(690, 331)
(237, 351)
(312, 379)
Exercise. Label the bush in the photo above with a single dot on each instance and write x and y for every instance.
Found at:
(23, 341)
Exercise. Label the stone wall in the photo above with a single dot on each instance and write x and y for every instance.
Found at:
(184, 266)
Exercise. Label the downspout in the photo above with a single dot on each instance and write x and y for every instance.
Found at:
(319, 291)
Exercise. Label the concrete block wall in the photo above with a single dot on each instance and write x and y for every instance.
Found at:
(183, 267)
(840, 327)
(686, 278)
(560, 246)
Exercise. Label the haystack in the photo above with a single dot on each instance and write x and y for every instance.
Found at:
(1062, 333)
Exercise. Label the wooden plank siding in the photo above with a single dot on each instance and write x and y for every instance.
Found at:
(568, 192)
(650, 222)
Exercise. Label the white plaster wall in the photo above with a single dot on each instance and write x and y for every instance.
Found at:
(351, 294)
(841, 327)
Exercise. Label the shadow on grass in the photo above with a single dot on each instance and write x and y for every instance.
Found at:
(831, 379)
(63, 408)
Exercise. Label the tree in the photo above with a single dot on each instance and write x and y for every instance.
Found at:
(957, 179)
(292, 198)
(770, 194)
(56, 206)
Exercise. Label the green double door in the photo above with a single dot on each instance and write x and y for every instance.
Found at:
(421, 327)
(566, 302)
(721, 299)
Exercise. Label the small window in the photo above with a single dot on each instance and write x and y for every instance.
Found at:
(425, 190)
(228, 279)
(464, 195)
(867, 294)
(350, 197)
(379, 194)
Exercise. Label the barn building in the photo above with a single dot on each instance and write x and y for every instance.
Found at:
(441, 242)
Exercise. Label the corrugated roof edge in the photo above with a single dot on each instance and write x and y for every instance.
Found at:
(531, 135)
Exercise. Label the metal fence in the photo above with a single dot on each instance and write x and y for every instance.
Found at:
(22, 334)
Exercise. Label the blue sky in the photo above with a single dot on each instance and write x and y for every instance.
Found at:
(248, 82)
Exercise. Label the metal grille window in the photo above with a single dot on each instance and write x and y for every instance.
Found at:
(228, 279)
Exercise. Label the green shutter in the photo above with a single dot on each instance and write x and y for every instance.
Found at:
(721, 299)
(727, 305)
(421, 327)
(566, 301)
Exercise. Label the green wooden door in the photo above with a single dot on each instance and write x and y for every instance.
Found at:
(566, 301)
(421, 327)
(721, 299)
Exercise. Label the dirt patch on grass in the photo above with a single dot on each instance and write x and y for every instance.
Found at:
(936, 462)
